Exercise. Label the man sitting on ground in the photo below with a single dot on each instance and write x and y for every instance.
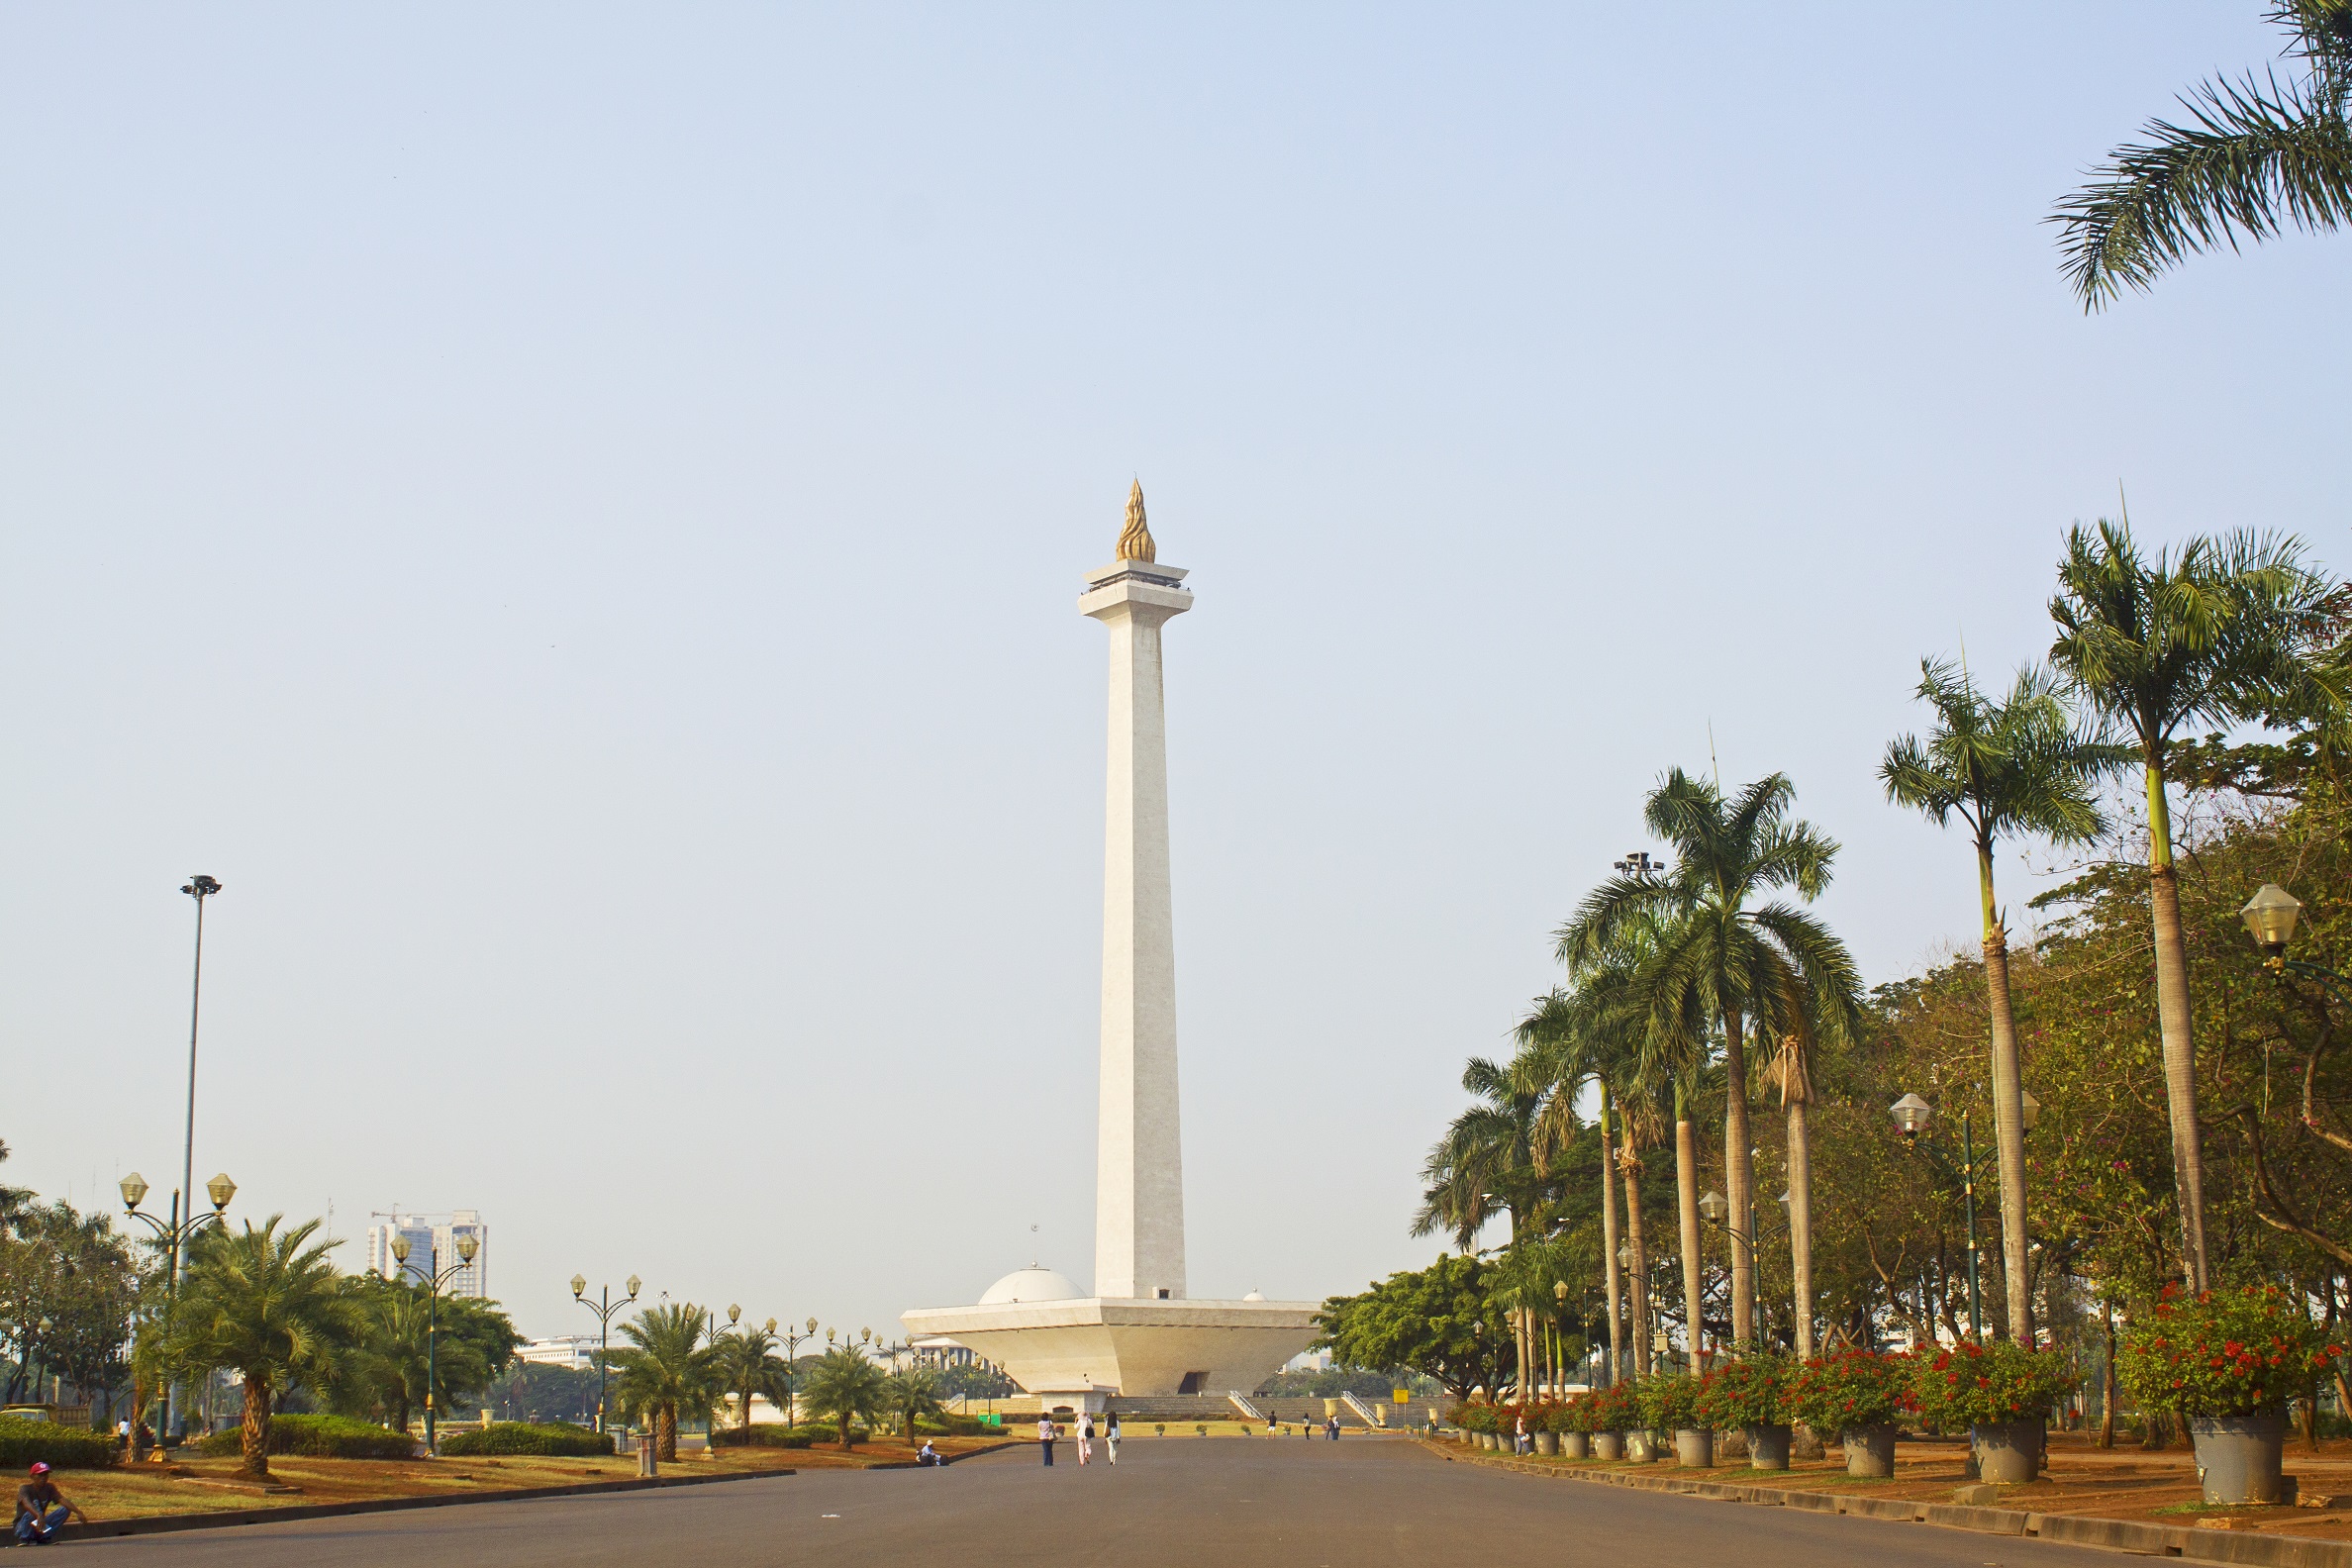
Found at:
(40, 1508)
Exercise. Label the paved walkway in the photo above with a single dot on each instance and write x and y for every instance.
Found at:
(1220, 1502)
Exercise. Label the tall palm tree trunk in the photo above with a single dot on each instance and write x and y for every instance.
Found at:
(1608, 1244)
(1739, 1180)
(2008, 1109)
(1639, 1327)
(666, 1434)
(253, 1430)
(2180, 1045)
(1685, 1197)
(1801, 1223)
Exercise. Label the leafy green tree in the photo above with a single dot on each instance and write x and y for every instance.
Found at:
(2002, 768)
(2216, 631)
(2251, 159)
(912, 1394)
(67, 1288)
(1485, 1165)
(1441, 1321)
(266, 1305)
(668, 1371)
(749, 1367)
(405, 1350)
(844, 1387)
(1749, 965)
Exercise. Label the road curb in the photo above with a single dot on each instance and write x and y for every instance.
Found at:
(2073, 1530)
(166, 1523)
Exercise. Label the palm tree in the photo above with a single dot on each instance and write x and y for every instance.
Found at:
(1486, 1165)
(1718, 956)
(912, 1394)
(266, 1305)
(2253, 159)
(2015, 766)
(668, 1371)
(1571, 1039)
(2212, 633)
(846, 1386)
(748, 1366)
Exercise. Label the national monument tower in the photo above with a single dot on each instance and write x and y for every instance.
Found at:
(1138, 1333)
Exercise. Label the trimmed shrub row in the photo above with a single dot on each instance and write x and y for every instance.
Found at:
(21, 1442)
(318, 1438)
(559, 1440)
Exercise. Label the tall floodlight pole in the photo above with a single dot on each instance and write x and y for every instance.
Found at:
(198, 888)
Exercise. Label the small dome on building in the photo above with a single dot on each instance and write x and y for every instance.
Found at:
(1032, 1283)
(1256, 1296)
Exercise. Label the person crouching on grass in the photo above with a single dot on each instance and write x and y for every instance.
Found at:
(40, 1508)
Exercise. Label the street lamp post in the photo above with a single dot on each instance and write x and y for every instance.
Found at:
(435, 1277)
(604, 1307)
(2270, 917)
(1715, 1209)
(792, 1342)
(175, 1236)
(1912, 1115)
(198, 888)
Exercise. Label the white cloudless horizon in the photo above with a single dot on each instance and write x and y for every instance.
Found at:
(574, 515)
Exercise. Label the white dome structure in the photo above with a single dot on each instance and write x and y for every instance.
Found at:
(1032, 1283)
(1256, 1296)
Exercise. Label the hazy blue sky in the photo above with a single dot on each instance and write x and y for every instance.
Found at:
(574, 515)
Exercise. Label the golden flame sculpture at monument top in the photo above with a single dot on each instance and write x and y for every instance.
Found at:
(1135, 542)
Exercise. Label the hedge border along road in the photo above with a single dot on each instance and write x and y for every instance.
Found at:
(2074, 1530)
(163, 1523)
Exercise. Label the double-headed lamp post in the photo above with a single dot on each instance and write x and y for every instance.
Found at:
(1912, 1115)
(792, 1342)
(604, 1307)
(175, 1234)
(434, 1277)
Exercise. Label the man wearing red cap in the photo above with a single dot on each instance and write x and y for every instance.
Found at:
(40, 1508)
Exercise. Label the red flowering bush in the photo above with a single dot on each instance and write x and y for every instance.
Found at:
(1475, 1417)
(1971, 1384)
(1575, 1414)
(1615, 1409)
(1852, 1389)
(1670, 1402)
(1750, 1391)
(2226, 1352)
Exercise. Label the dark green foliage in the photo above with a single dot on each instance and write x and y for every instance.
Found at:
(1443, 1320)
(320, 1437)
(23, 1443)
(554, 1438)
(767, 1434)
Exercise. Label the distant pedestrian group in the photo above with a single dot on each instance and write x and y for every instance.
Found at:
(1048, 1432)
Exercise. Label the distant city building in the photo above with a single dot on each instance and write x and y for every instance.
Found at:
(431, 1245)
(577, 1351)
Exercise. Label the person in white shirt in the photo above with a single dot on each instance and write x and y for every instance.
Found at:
(1111, 1436)
(1045, 1437)
(1084, 1437)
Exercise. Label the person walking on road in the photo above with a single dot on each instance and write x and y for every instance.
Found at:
(1085, 1436)
(1518, 1436)
(1045, 1437)
(1111, 1437)
(1332, 1427)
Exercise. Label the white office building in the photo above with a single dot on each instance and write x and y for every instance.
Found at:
(432, 1247)
(576, 1351)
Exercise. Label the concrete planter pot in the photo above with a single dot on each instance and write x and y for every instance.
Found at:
(1547, 1443)
(1768, 1447)
(1576, 1445)
(1693, 1448)
(2238, 1457)
(1489, 1440)
(1642, 1447)
(2007, 1452)
(1609, 1445)
(1870, 1450)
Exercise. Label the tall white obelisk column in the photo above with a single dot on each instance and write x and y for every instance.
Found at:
(1140, 1157)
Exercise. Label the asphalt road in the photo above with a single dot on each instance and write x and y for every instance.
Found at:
(1219, 1502)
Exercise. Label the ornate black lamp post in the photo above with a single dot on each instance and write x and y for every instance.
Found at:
(434, 1279)
(604, 1307)
(175, 1234)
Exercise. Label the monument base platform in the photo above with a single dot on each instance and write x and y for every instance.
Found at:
(1091, 1347)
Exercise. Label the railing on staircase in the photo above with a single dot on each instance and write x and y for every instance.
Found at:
(1240, 1401)
(1360, 1408)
